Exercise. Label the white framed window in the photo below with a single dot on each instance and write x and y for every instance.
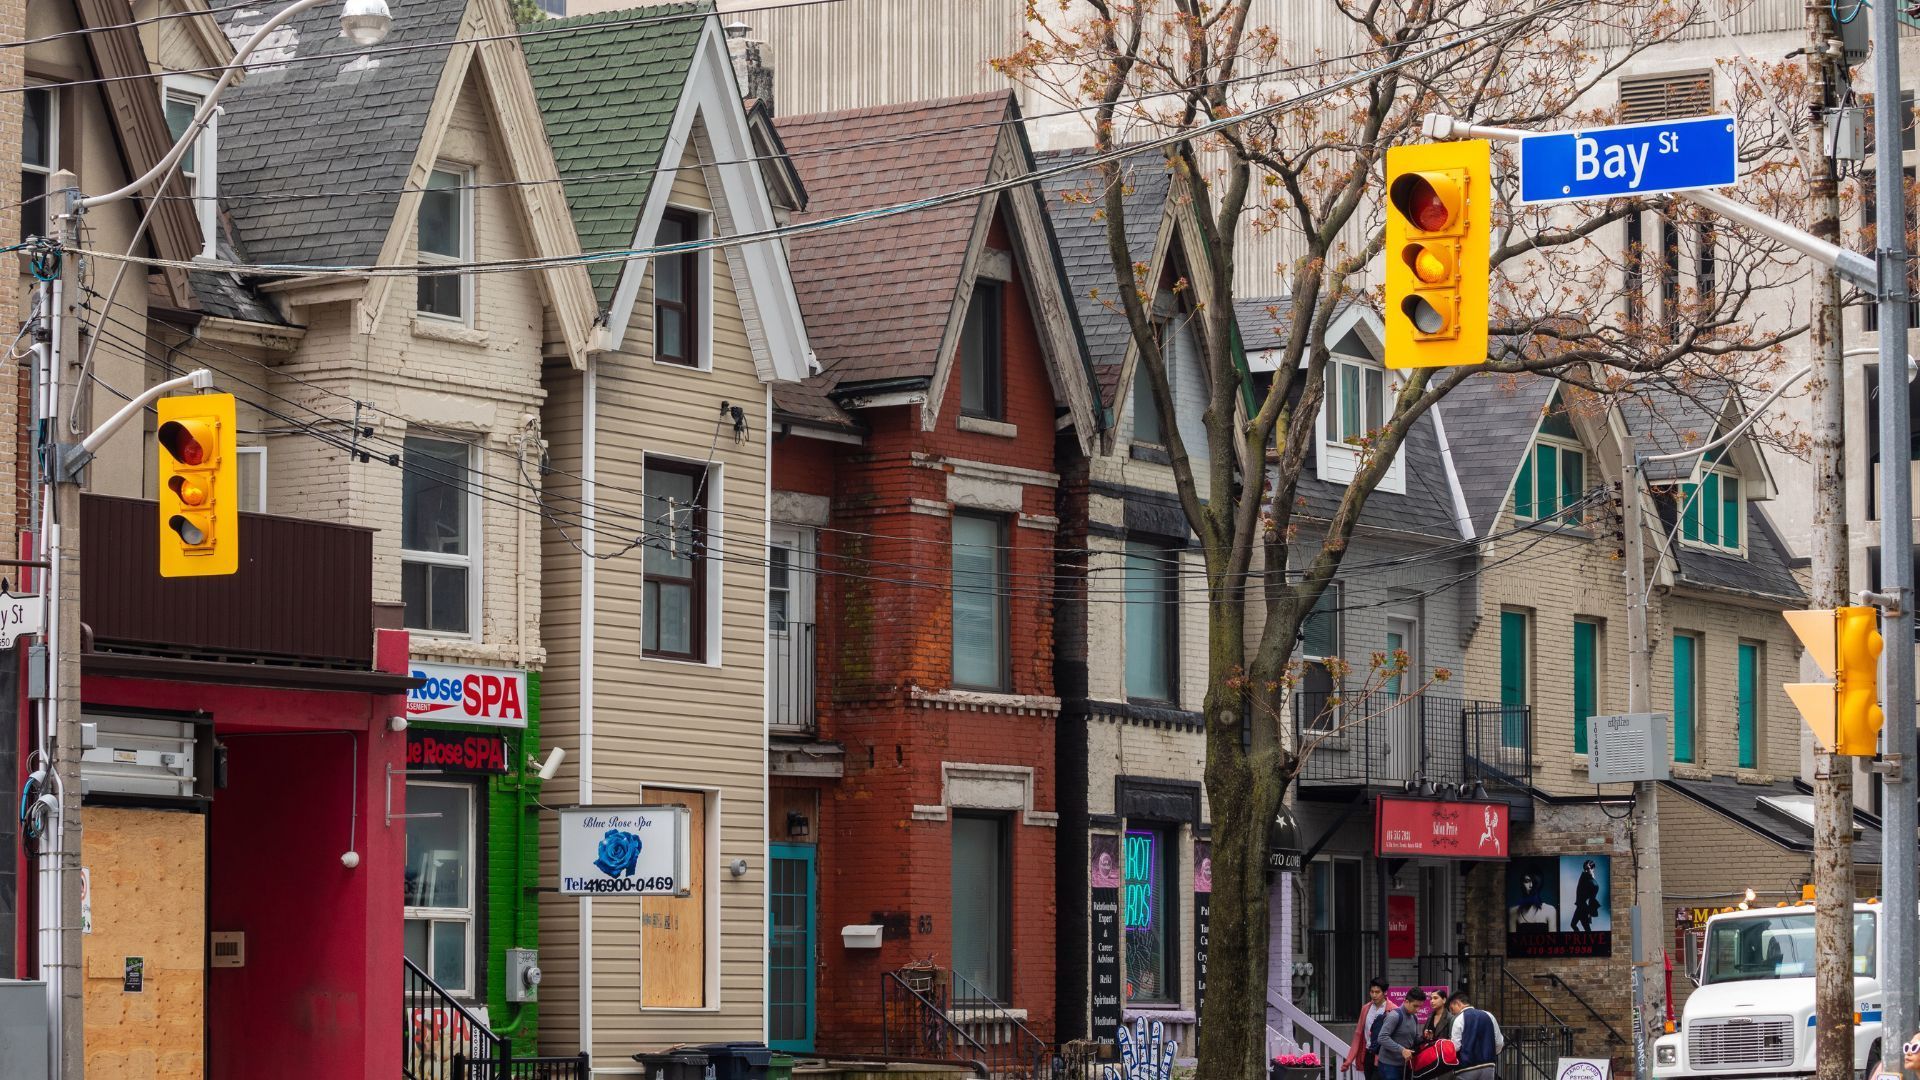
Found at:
(682, 308)
(253, 479)
(439, 532)
(446, 237)
(439, 886)
(1714, 511)
(39, 158)
(1357, 402)
(182, 96)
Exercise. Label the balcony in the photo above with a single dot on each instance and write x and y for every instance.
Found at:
(1383, 740)
(790, 678)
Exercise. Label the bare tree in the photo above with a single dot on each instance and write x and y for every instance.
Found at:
(1319, 99)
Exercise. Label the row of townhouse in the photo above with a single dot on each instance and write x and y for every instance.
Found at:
(860, 547)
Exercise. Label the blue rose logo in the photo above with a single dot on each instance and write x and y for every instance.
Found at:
(619, 853)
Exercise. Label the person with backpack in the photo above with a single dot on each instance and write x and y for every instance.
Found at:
(1366, 1033)
(1475, 1032)
(1399, 1034)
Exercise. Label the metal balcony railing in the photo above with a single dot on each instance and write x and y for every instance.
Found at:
(791, 656)
(1387, 740)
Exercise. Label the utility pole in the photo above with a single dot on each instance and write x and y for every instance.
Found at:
(1832, 774)
(1901, 911)
(1646, 808)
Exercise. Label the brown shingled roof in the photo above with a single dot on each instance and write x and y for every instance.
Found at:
(877, 296)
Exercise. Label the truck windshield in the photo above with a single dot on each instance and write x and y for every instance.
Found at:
(1777, 947)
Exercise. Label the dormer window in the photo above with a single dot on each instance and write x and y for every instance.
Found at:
(1357, 401)
(199, 166)
(1553, 477)
(1711, 511)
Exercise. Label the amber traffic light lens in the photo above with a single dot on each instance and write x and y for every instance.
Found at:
(1425, 317)
(189, 493)
(189, 532)
(181, 444)
(1427, 264)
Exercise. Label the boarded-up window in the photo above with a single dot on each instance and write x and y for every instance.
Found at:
(1666, 97)
(673, 929)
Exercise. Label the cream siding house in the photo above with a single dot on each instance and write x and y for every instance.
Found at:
(656, 607)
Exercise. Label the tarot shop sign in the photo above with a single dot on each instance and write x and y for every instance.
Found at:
(624, 851)
(1202, 920)
(1559, 906)
(1103, 880)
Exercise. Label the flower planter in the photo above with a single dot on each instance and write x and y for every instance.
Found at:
(1277, 1071)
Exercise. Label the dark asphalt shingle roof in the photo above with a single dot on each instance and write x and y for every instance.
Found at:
(1425, 509)
(608, 97)
(877, 296)
(348, 123)
(1262, 320)
(224, 295)
(1765, 571)
(1490, 422)
(1670, 419)
(1076, 204)
(1740, 803)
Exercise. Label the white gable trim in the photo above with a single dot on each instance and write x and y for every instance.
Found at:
(769, 304)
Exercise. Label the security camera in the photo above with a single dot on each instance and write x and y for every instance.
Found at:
(551, 766)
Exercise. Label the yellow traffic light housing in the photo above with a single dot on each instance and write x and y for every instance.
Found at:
(1845, 643)
(199, 486)
(1439, 251)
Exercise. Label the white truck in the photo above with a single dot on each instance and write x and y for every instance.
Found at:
(1751, 1013)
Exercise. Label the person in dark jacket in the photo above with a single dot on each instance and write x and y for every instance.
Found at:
(1399, 1034)
(1476, 1034)
(1439, 1025)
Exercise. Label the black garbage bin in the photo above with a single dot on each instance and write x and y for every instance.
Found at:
(739, 1060)
(681, 1063)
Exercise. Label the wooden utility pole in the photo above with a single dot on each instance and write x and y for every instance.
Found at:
(1832, 775)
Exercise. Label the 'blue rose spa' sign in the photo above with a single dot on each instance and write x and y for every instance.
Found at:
(624, 851)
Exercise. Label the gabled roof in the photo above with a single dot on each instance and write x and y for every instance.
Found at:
(884, 298)
(1490, 419)
(1076, 203)
(609, 95)
(346, 123)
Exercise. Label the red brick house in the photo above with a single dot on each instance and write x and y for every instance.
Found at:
(912, 704)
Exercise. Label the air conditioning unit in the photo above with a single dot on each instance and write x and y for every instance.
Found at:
(1628, 749)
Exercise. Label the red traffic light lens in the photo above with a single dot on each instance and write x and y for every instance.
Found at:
(1425, 208)
(180, 442)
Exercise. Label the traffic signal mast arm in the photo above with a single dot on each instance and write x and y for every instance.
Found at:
(1855, 267)
(75, 459)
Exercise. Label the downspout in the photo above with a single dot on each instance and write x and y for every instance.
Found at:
(589, 433)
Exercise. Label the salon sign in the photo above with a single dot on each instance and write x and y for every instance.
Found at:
(624, 851)
(464, 694)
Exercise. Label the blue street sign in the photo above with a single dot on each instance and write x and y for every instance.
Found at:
(1633, 159)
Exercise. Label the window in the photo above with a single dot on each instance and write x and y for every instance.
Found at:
(1633, 257)
(673, 605)
(39, 158)
(1668, 96)
(1686, 695)
(1153, 597)
(199, 166)
(1586, 679)
(253, 479)
(979, 602)
(1146, 411)
(438, 500)
(982, 374)
(1150, 916)
(1869, 214)
(1553, 476)
(1747, 705)
(1320, 642)
(1516, 675)
(982, 907)
(446, 236)
(439, 885)
(677, 292)
(1355, 401)
(1712, 510)
(1402, 636)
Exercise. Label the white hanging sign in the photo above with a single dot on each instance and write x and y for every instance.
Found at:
(624, 851)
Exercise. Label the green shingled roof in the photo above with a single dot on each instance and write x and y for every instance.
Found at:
(608, 97)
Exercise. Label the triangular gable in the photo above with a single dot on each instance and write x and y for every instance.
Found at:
(710, 106)
(198, 31)
(1048, 295)
(508, 100)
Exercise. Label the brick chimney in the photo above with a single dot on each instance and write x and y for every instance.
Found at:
(752, 63)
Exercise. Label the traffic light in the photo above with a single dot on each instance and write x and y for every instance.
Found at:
(1845, 642)
(199, 486)
(1438, 249)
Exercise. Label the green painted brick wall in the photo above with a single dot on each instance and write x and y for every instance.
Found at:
(513, 868)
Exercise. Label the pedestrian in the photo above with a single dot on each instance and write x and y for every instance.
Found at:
(1476, 1034)
(1439, 1025)
(1366, 1032)
(1399, 1034)
(1910, 1052)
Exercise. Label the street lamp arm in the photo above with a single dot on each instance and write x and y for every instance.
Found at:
(199, 379)
(1734, 433)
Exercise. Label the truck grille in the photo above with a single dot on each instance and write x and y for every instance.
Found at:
(1740, 1040)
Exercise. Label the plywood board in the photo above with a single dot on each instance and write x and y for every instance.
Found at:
(148, 872)
(673, 929)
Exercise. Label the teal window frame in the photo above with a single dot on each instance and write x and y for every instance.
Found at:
(1552, 477)
(1586, 678)
(1712, 511)
(1686, 696)
(1747, 707)
(1516, 674)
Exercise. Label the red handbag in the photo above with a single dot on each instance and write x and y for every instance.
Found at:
(1436, 1057)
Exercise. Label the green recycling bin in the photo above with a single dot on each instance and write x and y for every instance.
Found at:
(780, 1067)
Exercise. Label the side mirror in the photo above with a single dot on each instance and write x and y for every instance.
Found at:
(1696, 954)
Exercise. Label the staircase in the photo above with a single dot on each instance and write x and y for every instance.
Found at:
(938, 1016)
(442, 1040)
(1536, 1037)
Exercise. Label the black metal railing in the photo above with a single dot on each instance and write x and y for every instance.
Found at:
(993, 1025)
(442, 1040)
(790, 675)
(914, 1024)
(1536, 1039)
(1388, 740)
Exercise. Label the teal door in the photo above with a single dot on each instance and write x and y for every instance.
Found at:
(790, 919)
